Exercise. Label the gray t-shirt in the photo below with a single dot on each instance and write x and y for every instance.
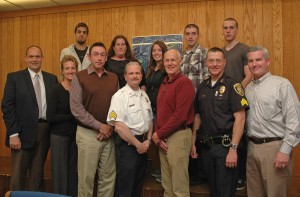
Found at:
(236, 59)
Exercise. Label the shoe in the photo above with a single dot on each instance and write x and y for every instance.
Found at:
(158, 179)
(241, 185)
(156, 173)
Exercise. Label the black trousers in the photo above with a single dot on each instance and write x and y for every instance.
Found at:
(64, 164)
(131, 169)
(222, 180)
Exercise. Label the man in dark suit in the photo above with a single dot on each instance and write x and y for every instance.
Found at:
(24, 112)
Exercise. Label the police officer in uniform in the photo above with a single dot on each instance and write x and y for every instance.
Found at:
(220, 106)
(131, 114)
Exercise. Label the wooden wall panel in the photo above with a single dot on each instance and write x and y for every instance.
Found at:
(272, 23)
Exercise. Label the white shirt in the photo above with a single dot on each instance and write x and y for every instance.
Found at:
(133, 108)
(43, 92)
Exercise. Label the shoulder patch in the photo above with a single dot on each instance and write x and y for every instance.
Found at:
(244, 102)
(239, 89)
(113, 115)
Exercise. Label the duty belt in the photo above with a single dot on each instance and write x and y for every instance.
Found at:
(208, 141)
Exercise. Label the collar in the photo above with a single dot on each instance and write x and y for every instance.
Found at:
(32, 74)
(263, 78)
(132, 92)
(221, 80)
(167, 80)
(195, 48)
(91, 69)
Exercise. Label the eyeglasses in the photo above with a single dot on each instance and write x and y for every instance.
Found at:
(211, 61)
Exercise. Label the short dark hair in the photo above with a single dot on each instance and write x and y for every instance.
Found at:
(82, 24)
(96, 44)
(232, 19)
(34, 46)
(191, 25)
(214, 50)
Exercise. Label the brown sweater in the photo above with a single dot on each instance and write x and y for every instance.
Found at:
(97, 92)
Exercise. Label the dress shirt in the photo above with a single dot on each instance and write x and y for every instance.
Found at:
(133, 108)
(274, 110)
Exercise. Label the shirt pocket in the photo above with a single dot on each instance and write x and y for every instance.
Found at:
(135, 115)
(266, 110)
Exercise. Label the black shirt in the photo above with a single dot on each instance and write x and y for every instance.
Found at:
(117, 67)
(59, 113)
(153, 83)
(81, 53)
(216, 105)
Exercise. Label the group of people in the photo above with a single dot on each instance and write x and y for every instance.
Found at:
(101, 119)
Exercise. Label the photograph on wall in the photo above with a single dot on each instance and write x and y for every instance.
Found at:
(141, 46)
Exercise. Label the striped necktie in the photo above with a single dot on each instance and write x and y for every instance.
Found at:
(38, 94)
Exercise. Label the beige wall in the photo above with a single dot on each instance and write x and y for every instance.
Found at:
(274, 24)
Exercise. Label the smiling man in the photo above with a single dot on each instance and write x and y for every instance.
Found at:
(220, 107)
(175, 114)
(272, 127)
(79, 49)
(131, 114)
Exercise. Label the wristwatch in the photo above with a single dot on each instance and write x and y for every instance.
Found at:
(234, 146)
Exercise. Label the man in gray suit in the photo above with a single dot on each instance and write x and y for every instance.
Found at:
(24, 106)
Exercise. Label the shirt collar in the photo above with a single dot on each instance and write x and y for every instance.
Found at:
(167, 80)
(263, 78)
(221, 80)
(193, 50)
(132, 92)
(91, 69)
(32, 73)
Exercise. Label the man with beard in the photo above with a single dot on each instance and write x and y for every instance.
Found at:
(79, 49)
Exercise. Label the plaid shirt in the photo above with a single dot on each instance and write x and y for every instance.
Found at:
(193, 65)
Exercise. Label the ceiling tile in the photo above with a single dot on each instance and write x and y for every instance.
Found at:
(5, 7)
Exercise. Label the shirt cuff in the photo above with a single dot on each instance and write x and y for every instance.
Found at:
(286, 148)
(14, 135)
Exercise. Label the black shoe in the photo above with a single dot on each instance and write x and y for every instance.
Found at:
(241, 185)
(196, 181)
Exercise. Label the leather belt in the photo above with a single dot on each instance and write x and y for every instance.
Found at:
(42, 121)
(256, 140)
(183, 127)
(142, 137)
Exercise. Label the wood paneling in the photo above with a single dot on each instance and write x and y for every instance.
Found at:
(274, 24)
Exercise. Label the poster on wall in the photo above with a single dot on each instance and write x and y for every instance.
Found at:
(141, 46)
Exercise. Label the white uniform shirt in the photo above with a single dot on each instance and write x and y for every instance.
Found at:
(133, 108)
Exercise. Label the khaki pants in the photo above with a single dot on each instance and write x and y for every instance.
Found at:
(263, 179)
(94, 155)
(174, 164)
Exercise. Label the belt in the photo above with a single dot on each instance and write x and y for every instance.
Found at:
(142, 137)
(42, 120)
(184, 127)
(256, 140)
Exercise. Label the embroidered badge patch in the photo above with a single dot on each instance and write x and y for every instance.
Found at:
(112, 115)
(239, 89)
(244, 102)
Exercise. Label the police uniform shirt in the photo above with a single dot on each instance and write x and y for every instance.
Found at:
(133, 108)
(216, 105)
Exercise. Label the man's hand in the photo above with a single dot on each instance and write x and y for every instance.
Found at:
(147, 144)
(194, 153)
(163, 146)
(101, 137)
(281, 160)
(231, 158)
(156, 139)
(105, 130)
(15, 143)
(141, 148)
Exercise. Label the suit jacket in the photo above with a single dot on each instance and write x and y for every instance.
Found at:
(20, 107)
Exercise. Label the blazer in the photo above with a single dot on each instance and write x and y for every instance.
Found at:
(20, 107)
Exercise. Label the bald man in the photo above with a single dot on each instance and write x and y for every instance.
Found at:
(175, 113)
